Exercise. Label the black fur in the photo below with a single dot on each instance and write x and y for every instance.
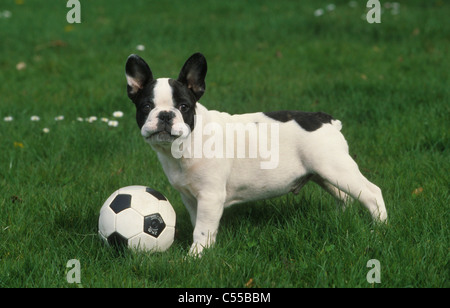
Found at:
(309, 121)
(183, 96)
(138, 69)
(193, 74)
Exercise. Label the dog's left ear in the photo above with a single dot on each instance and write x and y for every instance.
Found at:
(193, 74)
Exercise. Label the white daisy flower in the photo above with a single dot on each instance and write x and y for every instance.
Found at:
(92, 119)
(80, 119)
(318, 12)
(59, 118)
(45, 130)
(8, 119)
(331, 7)
(104, 120)
(21, 66)
(113, 123)
(140, 47)
(117, 114)
(35, 118)
(6, 14)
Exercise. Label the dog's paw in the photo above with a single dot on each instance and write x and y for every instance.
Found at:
(196, 250)
(382, 217)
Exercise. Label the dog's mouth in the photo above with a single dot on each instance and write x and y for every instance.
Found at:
(166, 134)
(162, 136)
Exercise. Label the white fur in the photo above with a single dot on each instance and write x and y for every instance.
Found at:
(208, 185)
(163, 94)
(163, 102)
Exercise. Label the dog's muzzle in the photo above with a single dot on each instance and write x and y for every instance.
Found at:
(162, 132)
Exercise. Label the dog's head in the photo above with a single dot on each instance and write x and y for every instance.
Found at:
(165, 106)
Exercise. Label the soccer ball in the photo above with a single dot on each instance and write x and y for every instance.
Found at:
(138, 217)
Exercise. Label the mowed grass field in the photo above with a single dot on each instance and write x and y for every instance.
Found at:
(388, 83)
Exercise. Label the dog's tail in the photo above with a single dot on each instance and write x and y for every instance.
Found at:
(337, 124)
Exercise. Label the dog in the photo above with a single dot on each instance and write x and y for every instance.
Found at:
(306, 146)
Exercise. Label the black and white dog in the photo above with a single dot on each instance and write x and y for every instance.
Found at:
(234, 164)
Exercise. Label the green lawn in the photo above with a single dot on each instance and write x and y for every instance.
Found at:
(388, 83)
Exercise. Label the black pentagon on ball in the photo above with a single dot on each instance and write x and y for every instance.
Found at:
(120, 203)
(155, 194)
(154, 224)
(117, 240)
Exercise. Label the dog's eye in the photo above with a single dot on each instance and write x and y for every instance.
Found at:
(183, 107)
(146, 108)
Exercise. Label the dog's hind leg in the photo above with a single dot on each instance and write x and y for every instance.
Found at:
(332, 190)
(342, 172)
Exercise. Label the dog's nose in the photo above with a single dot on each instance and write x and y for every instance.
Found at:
(166, 116)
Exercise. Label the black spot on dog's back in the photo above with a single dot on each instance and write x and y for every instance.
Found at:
(309, 121)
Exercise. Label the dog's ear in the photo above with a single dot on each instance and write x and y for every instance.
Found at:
(193, 74)
(138, 74)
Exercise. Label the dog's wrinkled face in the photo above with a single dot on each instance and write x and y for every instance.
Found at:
(165, 107)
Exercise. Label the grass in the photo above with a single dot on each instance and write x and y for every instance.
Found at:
(387, 83)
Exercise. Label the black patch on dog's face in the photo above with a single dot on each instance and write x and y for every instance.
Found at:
(144, 103)
(309, 121)
(184, 100)
(140, 86)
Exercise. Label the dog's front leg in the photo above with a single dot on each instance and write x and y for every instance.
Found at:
(209, 212)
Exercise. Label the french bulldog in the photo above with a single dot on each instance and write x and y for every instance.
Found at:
(215, 159)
